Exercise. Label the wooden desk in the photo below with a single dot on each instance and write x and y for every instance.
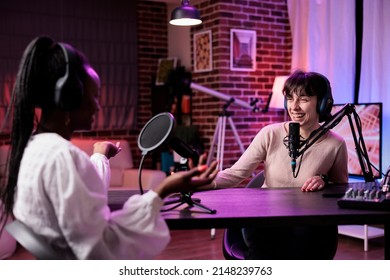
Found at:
(242, 207)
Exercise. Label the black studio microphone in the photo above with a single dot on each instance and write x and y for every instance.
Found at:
(184, 150)
(293, 143)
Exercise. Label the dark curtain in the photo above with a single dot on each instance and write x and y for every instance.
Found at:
(105, 31)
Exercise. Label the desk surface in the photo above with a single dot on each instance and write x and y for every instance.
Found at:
(240, 207)
(268, 207)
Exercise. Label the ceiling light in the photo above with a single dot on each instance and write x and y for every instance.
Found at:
(185, 15)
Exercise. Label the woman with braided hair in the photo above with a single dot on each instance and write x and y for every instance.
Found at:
(55, 188)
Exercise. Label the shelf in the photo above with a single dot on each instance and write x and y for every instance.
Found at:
(364, 232)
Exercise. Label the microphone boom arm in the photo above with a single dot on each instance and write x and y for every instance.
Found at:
(361, 150)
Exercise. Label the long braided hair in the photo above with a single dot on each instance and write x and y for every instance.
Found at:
(42, 64)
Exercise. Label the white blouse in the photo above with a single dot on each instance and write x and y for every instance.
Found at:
(62, 195)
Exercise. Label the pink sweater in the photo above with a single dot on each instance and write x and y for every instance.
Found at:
(326, 156)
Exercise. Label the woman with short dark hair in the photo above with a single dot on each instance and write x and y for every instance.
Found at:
(308, 101)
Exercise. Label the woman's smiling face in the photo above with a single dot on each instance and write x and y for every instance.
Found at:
(302, 108)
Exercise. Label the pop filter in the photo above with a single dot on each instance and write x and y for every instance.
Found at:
(154, 134)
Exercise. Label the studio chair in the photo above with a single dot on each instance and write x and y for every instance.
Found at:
(234, 246)
(32, 242)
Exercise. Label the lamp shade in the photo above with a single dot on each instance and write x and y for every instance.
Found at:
(185, 15)
(277, 98)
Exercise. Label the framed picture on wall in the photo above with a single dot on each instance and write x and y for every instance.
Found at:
(203, 51)
(165, 65)
(242, 50)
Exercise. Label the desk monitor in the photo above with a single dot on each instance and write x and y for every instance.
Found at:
(371, 121)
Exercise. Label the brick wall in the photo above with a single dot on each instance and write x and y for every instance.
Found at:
(269, 19)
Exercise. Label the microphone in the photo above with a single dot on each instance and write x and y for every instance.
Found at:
(183, 149)
(293, 143)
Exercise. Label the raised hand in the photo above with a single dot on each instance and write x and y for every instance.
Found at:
(107, 148)
(186, 181)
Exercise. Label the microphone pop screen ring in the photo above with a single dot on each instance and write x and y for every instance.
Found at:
(156, 132)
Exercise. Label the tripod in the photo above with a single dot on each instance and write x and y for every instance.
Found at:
(185, 198)
(219, 136)
(219, 140)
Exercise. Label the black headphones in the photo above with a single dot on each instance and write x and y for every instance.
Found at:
(69, 88)
(324, 105)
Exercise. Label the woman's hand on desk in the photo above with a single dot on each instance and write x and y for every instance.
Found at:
(186, 181)
(312, 184)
